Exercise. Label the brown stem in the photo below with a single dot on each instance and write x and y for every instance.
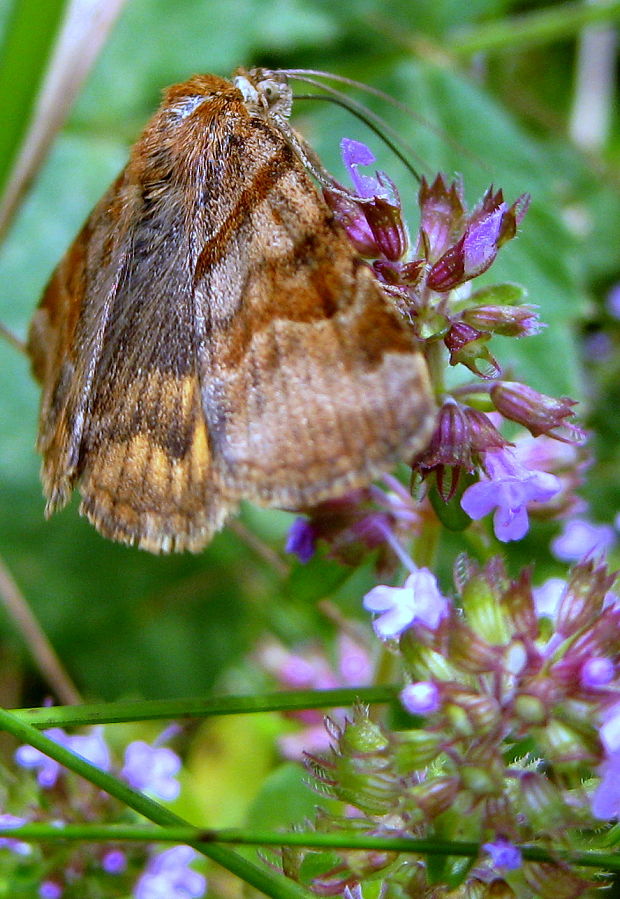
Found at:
(13, 339)
(40, 647)
(259, 547)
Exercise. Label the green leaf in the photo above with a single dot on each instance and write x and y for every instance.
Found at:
(500, 295)
(450, 513)
(29, 38)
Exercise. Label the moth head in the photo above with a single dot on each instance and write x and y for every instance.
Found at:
(265, 91)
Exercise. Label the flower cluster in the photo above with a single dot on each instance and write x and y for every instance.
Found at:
(469, 468)
(515, 693)
(309, 669)
(141, 872)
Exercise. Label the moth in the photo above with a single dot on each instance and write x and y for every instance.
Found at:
(211, 336)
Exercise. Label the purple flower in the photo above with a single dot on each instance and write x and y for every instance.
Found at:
(597, 672)
(547, 597)
(91, 747)
(152, 769)
(613, 301)
(606, 798)
(609, 730)
(421, 698)
(16, 846)
(47, 769)
(114, 861)
(49, 889)
(354, 663)
(301, 540)
(508, 488)
(419, 600)
(167, 876)
(354, 154)
(504, 854)
(582, 538)
(491, 224)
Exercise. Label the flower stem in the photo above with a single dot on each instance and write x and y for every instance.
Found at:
(195, 836)
(201, 707)
(540, 27)
(274, 885)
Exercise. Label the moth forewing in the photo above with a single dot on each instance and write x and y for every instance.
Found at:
(212, 336)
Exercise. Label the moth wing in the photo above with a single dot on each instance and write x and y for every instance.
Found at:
(121, 411)
(311, 382)
(211, 336)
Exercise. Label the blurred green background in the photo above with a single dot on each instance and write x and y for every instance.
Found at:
(129, 624)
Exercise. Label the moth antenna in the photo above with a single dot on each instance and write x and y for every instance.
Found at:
(313, 164)
(301, 75)
(379, 124)
(13, 339)
(376, 124)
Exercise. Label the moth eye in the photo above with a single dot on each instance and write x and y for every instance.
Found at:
(271, 90)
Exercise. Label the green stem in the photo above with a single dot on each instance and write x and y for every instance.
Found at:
(195, 836)
(201, 707)
(540, 27)
(262, 879)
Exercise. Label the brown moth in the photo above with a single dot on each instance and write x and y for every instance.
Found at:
(212, 336)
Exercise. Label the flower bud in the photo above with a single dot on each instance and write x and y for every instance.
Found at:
(471, 256)
(424, 662)
(518, 606)
(480, 781)
(483, 712)
(550, 881)
(416, 749)
(471, 651)
(442, 214)
(387, 227)
(510, 321)
(301, 540)
(436, 795)
(541, 802)
(530, 709)
(467, 346)
(565, 745)
(421, 698)
(583, 597)
(483, 611)
(352, 218)
(539, 413)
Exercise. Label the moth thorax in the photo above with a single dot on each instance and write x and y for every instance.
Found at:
(265, 91)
